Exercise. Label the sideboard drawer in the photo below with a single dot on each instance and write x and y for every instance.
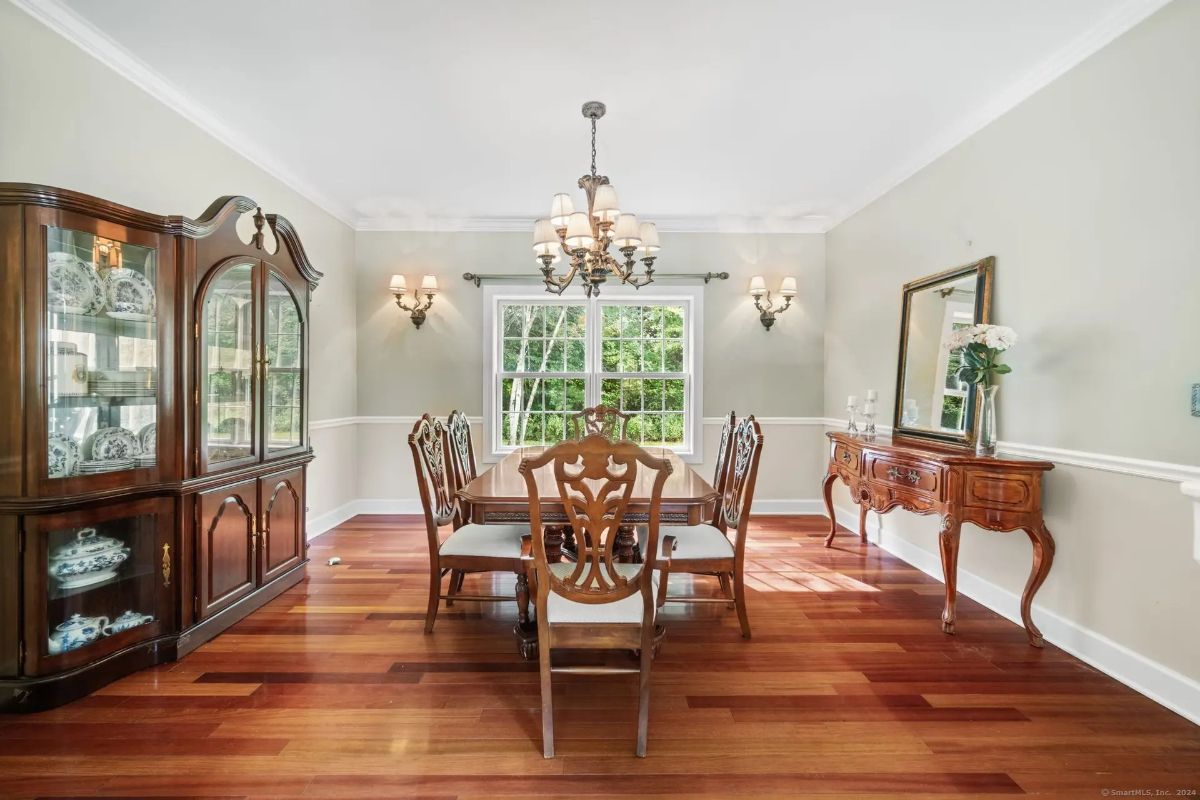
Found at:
(846, 458)
(1008, 491)
(910, 475)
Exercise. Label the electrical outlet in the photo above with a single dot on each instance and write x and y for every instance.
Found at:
(1196, 399)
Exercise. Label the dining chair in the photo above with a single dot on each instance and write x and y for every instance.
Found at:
(707, 549)
(462, 464)
(596, 602)
(606, 420)
(469, 547)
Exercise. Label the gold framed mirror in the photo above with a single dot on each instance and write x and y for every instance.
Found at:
(931, 401)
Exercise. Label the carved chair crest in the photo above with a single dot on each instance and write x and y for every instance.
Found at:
(605, 420)
(595, 478)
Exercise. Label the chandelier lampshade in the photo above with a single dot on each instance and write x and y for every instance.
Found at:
(585, 236)
(579, 232)
(626, 233)
(648, 232)
(561, 207)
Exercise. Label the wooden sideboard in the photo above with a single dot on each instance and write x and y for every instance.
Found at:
(996, 493)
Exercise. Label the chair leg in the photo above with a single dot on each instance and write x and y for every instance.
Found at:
(547, 694)
(435, 588)
(726, 588)
(456, 583)
(739, 599)
(647, 658)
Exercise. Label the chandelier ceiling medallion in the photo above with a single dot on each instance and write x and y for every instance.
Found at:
(587, 237)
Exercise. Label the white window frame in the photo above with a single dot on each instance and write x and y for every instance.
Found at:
(691, 297)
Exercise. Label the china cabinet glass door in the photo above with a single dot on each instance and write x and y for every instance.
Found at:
(284, 367)
(229, 361)
(100, 580)
(102, 359)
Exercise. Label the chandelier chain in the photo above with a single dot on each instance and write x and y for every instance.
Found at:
(593, 147)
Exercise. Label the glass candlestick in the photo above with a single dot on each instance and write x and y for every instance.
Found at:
(852, 409)
(869, 425)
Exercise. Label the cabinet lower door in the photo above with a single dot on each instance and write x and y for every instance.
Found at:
(226, 535)
(281, 498)
(97, 581)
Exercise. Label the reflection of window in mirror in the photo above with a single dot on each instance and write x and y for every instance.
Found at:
(950, 396)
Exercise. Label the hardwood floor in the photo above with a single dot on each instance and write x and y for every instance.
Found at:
(847, 689)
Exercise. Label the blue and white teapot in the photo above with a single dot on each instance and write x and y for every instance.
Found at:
(76, 632)
(130, 619)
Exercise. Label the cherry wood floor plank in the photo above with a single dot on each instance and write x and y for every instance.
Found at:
(848, 689)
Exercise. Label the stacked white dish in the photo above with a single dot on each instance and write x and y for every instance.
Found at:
(139, 382)
(105, 465)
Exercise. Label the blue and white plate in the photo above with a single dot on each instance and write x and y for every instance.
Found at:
(112, 444)
(128, 292)
(63, 456)
(72, 285)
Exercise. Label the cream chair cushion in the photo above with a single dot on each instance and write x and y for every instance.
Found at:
(698, 541)
(492, 541)
(626, 610)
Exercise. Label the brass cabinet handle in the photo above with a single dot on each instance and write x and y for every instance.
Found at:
(166, 565)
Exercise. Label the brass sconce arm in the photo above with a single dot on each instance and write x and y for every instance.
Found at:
(768, 308)
(418, 308)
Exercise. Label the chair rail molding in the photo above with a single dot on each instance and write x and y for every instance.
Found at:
(1192, 490)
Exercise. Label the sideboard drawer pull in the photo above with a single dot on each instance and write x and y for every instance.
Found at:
(912, 476)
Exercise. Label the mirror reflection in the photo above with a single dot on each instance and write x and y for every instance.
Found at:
(933, 397)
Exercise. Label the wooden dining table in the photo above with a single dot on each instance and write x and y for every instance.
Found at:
(499, 496)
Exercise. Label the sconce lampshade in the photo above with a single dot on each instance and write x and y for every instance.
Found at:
(429, 284)
(758, 287)
(561, 208)
(579, 231)
(397, 285)
(787, 288)
(648, 233)
(605, 206)
(625, 233)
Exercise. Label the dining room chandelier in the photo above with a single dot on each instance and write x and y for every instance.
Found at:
(586, 237)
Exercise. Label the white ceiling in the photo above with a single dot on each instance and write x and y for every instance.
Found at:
(755, 114)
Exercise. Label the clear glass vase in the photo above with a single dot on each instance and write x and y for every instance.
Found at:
(985, 445)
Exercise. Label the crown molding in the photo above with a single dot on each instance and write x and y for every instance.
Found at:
(91, 40)
(1102, 33)
(813, 223)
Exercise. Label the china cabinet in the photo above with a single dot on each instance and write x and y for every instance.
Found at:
(153, 432)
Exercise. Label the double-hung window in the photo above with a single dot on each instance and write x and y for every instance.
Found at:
(551, 357)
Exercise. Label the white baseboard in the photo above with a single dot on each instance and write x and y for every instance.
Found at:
(322, 523)
(1160, 683)
(768, 508)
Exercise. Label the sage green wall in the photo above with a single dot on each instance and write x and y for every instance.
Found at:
(404, 371)
(1088, 194)
(66, 120)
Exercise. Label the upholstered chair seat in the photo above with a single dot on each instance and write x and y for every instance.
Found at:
(627, 610)
(694, 542)
(488, 541)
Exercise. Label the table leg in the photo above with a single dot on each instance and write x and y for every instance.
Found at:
(827, 491)
(948, 541)
(569, 546)
(1043, 557)
(862, 522)
(553, 539)
(623, 547)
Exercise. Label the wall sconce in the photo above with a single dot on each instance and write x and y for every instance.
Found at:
(419, 307)
(762, 299)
